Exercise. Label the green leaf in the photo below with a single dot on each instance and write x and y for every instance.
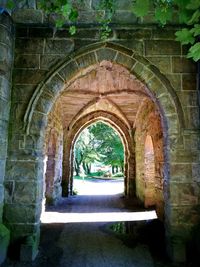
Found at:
(195, 17)
(10, 4)
(73, 15)
(72, 30)
(194, 52)
(140, 8)
(66, 9)
(163, 14)
(193, 5)
(196, 30)
(59, 23)
(185, 36)
(184, 15)
(180, 3)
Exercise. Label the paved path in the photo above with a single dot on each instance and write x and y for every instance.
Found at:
(89, 244)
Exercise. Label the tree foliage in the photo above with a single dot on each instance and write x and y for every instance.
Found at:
(187, 11)
(98, 143)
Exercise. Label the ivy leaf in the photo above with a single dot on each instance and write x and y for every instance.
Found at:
(59, 23)
(163, 14)
(193, 5)
(185, 36)
(66, 9)
(10, 4)
(140, 8)
(181, 3)
(73, 15)
(196, 30)
(184, 15)
(72, 30)
(195, 17)
(194, 52)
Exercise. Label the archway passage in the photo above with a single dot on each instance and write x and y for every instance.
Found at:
(98, 160)
(96, 86)
(110, 93)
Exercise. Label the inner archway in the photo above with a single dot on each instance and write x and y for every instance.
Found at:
(98, 154)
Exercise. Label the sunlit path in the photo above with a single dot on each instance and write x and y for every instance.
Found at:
(99, 187)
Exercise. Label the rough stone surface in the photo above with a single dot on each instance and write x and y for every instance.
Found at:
(140, 80)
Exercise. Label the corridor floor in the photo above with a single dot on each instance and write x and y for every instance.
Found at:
(95, 244)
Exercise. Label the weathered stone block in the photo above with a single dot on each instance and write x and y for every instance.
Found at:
(175, 81)
(86, 60)
(156, 87)
(40, 32)
(21, 170)
(59, 46)
(167, 103)
(4, 242)
(162, 63)
(23, 76)
(45, 104)
(25, 90)
(135, 45)
(85, 34)
(189, 81)
(125, 61)
(38, 124)
(24, 46)
(4, 109)
(5, 58)
(121, 17)
(25, 192)
(141, 72)
(162, 48)
(183, 65)
(28, 16)
(163, 34)
(21, 31)
(135, 34)
(3, 148)
(181, 172)
(27, 61)
(2, 170)
(47, 61)
(5, 36)
(55, 85)
(105, 54)
(16, 213)
(4, 88)
(193, 117)
(69, 70)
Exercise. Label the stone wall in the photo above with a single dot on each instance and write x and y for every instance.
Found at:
(150, 187)
(6, 62)
(54, 154)
(42, 69)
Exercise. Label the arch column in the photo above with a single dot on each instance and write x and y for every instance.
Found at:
(6, 63)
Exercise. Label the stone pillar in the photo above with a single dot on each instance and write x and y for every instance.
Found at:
(6, 61)
(65, 173)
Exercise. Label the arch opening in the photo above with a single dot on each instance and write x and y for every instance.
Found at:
(98, 156)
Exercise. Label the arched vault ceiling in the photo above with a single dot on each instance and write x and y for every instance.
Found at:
(106, 86)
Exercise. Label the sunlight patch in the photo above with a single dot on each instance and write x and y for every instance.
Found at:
(56, 217)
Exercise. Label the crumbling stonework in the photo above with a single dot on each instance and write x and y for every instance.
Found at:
(139, 81)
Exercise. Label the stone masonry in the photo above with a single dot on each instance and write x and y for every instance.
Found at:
(52, 85)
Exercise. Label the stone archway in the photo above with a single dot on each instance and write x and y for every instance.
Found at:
(148, 81)
(127, 140)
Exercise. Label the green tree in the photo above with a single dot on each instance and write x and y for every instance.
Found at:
(109, 145)
(98, 143)
(85, 152)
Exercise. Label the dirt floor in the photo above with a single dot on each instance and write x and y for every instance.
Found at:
(98, 244)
